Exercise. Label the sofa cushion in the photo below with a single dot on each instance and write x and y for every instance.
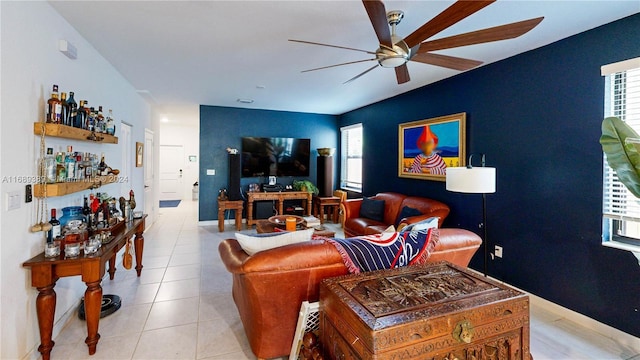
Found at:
(359, 225)
(393, 202)
(252, 244)
(406, 212)
(372, 209)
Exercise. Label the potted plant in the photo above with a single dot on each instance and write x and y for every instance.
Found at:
(620, 144)
(305, 185)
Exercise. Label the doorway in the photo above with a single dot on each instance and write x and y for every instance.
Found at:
(171, 169)
(149, 176)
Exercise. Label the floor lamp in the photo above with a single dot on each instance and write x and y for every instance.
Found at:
(474, 180)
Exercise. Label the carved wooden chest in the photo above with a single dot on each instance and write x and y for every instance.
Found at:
(429, 312)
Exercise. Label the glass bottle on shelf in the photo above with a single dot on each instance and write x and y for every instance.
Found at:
(87, 165)
(70, 164)
(50, 167)
(100, 122)
(61, 172)
(79, 169)
(102, 167)
(72, 111)
(65, 108)
(91, 120)
(54, 107)
(111, 126)
(86, 211)
(81, 117)
(55, 227)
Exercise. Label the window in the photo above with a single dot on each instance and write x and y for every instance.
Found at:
(351, 157)
(621, 209)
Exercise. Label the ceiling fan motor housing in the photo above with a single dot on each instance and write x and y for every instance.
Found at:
(400, 53)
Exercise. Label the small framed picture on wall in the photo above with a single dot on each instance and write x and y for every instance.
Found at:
(139, 154)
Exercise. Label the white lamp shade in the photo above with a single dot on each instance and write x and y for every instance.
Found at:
(477, 180)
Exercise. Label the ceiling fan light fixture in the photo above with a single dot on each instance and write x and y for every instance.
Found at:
(392, 61)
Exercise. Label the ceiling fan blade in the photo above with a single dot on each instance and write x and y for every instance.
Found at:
(330, 66)
(378, 16)
(362, 73)
(450, 62)
(502, 32)
(333, 46)
(402, 74)
(453, 14)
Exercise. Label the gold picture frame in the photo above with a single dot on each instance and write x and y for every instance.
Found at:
(139, 154)
(427, 147)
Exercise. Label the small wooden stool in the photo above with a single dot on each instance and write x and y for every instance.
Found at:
(330, 202)
(224, 205)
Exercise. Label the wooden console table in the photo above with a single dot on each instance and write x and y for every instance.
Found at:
(280, 197)
(45, 272)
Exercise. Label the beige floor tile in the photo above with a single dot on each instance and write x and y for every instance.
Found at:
(187, 249)
(239, 355)
(154, 250)
(171, 313)
(129, 320)
(184, 259)
(214, 307)
(217, 337)
(182, 272)
(155, 262)
(132, 293)
(178, 342)
(148, 276)
(180, 289)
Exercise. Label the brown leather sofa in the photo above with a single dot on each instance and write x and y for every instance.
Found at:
(354, 225)
(270, 286)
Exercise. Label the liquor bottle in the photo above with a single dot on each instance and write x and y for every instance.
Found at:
(72, 110)
(100, 122)
(54, 112)
(102, 167)
(61, 172)
(86, 211)
(64, 116)
(55, 227)
(81, 117)
(111, 125)
(79, 170)
(91, 119)
(87, 166)
(50, 167)
(70, 164)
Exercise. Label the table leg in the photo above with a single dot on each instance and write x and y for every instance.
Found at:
(138, 243)
(321, 213)
(280, 207)
(335, 210)
(46, 308)
(92, 303)
(238, 219)
(221, 219)
(309, 204)
(112, 267)
(249, 214)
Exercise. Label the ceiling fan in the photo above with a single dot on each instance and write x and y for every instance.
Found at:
(395, 52)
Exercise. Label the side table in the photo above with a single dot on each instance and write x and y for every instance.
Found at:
(332, 203)
(224, 205)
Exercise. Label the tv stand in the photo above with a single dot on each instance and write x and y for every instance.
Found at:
(279, 197)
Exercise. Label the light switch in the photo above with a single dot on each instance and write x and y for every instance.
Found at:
(13, 200)
(211, 172)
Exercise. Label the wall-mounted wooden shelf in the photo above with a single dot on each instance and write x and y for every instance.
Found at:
(69, 132)
(65, 188)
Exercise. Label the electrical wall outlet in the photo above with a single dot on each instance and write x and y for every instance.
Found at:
(498, 251)
(28, 195)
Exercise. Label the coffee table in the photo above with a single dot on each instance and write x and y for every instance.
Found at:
(264, 227)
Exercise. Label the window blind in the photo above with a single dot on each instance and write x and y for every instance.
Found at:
(622, 99)
(351, 157)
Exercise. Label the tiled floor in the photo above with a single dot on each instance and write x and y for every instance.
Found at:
(181, 307)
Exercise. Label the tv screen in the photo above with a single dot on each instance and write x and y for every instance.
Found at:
(275, 156)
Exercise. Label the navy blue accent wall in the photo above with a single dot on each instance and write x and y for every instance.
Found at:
(537, 117)
(222, 127)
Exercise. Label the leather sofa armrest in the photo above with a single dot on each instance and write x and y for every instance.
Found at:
(451, 239)
(351, 208)
(305, 255)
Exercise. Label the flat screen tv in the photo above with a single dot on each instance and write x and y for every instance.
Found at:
(275, 156)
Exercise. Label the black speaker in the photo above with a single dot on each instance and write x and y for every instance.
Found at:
(263, 209)
(325, 175)
(233, 188)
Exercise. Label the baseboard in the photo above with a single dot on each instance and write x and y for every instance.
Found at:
(619, 336)
(215, 222)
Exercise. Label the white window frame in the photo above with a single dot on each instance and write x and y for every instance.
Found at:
(345, 182)
(621, 209)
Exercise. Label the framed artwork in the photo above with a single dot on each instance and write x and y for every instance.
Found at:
(139, 153)
(427, 147)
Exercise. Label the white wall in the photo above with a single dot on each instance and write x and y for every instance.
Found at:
(185, 131)
(31, 63)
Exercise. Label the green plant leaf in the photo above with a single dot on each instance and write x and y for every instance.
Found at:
(623, 158)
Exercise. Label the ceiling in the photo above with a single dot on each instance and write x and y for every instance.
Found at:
(182, 53)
